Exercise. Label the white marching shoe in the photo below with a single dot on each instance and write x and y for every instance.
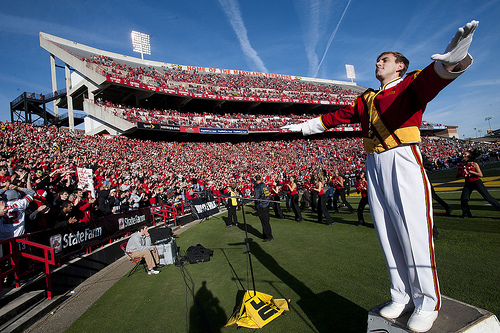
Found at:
(421, 321)
(393, 310)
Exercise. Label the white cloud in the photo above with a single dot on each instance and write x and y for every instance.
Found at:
(24, 83)
(232, 11)
(481, 83)
(313, 35)
(31, 27)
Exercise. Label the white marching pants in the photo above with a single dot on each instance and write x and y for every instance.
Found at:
(400, 202)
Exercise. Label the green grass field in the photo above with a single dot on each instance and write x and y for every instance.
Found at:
(333, 275)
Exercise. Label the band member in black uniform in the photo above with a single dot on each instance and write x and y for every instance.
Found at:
(275, 196)
(320, 180)
(294, 193)
(361, 187)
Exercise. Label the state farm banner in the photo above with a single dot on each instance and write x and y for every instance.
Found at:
(79, 236)
(203, 208)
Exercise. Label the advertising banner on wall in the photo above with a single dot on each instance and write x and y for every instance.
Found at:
(201, 208)
(158, 127)
(78, 236)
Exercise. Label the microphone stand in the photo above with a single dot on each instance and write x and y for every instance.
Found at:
(246, 231)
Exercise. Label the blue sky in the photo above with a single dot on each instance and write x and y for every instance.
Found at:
(301, 37)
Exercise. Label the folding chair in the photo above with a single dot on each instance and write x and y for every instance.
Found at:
(138, 261)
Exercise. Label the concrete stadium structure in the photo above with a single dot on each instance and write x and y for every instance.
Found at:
(88, 81)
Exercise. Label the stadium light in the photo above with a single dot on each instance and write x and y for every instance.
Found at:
(349, 70)
(140, 43)
(488, 120)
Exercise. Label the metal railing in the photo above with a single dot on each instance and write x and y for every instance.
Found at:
(47, 259)
(15, 254)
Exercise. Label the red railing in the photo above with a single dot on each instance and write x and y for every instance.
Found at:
(47, 259)
(15, 254)
(170, 211)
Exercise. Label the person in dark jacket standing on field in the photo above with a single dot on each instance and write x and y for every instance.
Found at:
(262, 193)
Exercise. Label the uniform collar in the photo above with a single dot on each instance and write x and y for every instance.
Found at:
(392, 83)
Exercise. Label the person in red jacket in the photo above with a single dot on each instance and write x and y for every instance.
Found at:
(83, 206)
(318, 188)
(362, 188)
(294, 198)
(398, 189)
(472, 173)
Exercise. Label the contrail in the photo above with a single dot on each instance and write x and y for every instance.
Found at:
(315, 11)
(233, 12)
(331, 38)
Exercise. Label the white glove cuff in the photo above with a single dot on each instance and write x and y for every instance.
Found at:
(445, 74)
(313, 126)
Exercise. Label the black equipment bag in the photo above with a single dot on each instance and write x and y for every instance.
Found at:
(198, 254)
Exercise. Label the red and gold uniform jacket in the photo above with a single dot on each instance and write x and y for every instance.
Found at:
(392, 115)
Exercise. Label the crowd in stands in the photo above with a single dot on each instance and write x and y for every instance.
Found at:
(212, 120)
(236, 85)
(259, 122)
(130, 173)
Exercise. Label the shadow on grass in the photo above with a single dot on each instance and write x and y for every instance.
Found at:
(325, 311)
(206, 315)
(251, 230)
(341, 218)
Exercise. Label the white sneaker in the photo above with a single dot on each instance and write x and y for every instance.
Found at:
(421, 321)
(394, 310)
(152, 271)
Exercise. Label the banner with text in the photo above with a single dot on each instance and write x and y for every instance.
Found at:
(78, 236)
(203, 208)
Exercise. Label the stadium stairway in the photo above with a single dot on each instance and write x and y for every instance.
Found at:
(21, 307)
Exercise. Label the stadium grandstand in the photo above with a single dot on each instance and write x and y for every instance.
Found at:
(122, 95)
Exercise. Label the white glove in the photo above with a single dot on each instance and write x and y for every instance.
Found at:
(312, 126)
(292, 128)
(458, 48)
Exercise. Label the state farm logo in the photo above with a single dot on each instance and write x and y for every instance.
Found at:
(125, 222)
(56, 243)
(121, 223)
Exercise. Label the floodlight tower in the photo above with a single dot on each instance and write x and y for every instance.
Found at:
(140, 43)
(488, 120)
(349, 70)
